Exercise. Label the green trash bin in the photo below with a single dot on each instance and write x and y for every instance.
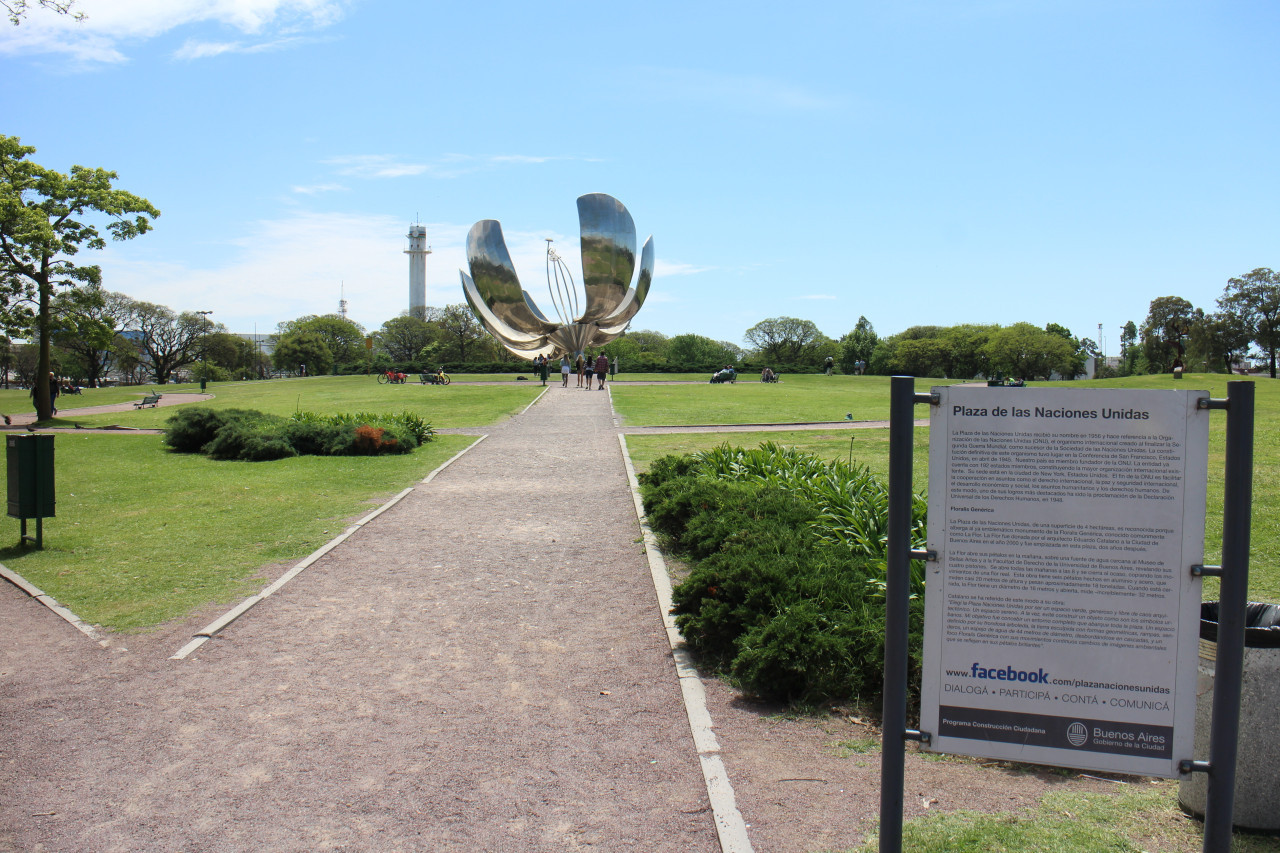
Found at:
(31, 492)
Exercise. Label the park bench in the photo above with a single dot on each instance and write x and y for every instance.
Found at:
(149, 400)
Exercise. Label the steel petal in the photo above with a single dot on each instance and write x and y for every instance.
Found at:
(488, 319)
(608, 253)
(616, 323)
(496, 281)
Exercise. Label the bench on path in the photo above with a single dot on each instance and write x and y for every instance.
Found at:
(149, 400)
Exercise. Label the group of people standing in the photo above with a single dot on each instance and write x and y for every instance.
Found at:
(584, 365)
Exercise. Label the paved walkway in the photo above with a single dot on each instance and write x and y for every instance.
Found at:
(483, 667)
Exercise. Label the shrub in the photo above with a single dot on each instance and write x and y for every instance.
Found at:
(190, 429)
(309, 438)
(367, 440)
(786, 587)
(251, 435)
(263, 448)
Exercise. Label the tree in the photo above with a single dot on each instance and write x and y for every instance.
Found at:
(1169, 320)
(967, 344)
(695, 352)
(168, 341)
(647, 340)
(857, 345)
(43, 226)
(16, 10)
(1128, 348)
(295, 350)
(1022, 350)
(920, 357)
(344, 338)
(1222, 338)
(1254, 300)
(86, 321)
(459, 331)
(404, 337)
(784, 340)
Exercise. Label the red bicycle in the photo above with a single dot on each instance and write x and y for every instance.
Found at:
(392, 376)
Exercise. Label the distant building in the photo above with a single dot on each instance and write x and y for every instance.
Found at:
(417, 252)
(265, 343)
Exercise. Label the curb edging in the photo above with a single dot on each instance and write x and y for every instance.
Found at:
(731, 829)
(52, 603)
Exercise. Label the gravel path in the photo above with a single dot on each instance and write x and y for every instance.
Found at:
(481, 668)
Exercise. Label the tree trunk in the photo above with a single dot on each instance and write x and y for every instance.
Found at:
(44, 404)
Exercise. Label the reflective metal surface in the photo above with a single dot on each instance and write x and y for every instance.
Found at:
(496, 281)
(608, 253)
(608, 261)
(618, 321)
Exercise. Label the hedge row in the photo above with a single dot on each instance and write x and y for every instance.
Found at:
(250, 435)
(785, 593)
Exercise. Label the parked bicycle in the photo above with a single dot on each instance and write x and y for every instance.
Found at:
(392, 376)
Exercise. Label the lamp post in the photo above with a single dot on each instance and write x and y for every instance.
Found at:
(204, 353)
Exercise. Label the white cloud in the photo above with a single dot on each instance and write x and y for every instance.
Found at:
(316, 189)
(285, 268)
(375, 166)
(445, 166)
(192, 50)
(280, 269)
(111, 24)
(673, 268)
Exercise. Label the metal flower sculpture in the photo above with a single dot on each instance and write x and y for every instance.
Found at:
(608, 262)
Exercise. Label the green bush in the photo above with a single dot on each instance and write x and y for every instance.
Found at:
(251, 435)
(311, 438)
(787, 554)
(190, 429)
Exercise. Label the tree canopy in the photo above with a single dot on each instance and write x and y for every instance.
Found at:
(44, 223)
(785, 340)
(1252, 302)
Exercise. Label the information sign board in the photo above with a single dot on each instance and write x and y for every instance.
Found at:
(1061, 615)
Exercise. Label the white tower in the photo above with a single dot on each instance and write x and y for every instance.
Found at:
(417, 252)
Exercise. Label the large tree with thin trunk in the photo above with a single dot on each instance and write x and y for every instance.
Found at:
(44, 223)
(167, 340)
(1254, 300)
(784, 340)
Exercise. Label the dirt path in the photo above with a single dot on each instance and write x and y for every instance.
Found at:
(22, 420)
(482, 668)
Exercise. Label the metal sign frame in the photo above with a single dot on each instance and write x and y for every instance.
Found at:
(1234, 591)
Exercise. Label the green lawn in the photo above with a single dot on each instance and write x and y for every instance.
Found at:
(451, 406)
(871, 448)
(797, 399)
(1137, 817)
(143, 535)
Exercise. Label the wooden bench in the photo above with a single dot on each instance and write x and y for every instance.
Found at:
(149, 400)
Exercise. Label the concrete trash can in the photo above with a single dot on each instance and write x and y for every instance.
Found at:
(1257, 801)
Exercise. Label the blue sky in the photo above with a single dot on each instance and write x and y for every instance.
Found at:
(914, 162)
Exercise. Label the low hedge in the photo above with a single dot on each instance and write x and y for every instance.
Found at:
(253, 436)
(781, 597)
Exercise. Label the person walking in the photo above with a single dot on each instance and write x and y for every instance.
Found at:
(540, 367)
(582, 367)
(602, 367)
(54, 390)
(564, 370)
